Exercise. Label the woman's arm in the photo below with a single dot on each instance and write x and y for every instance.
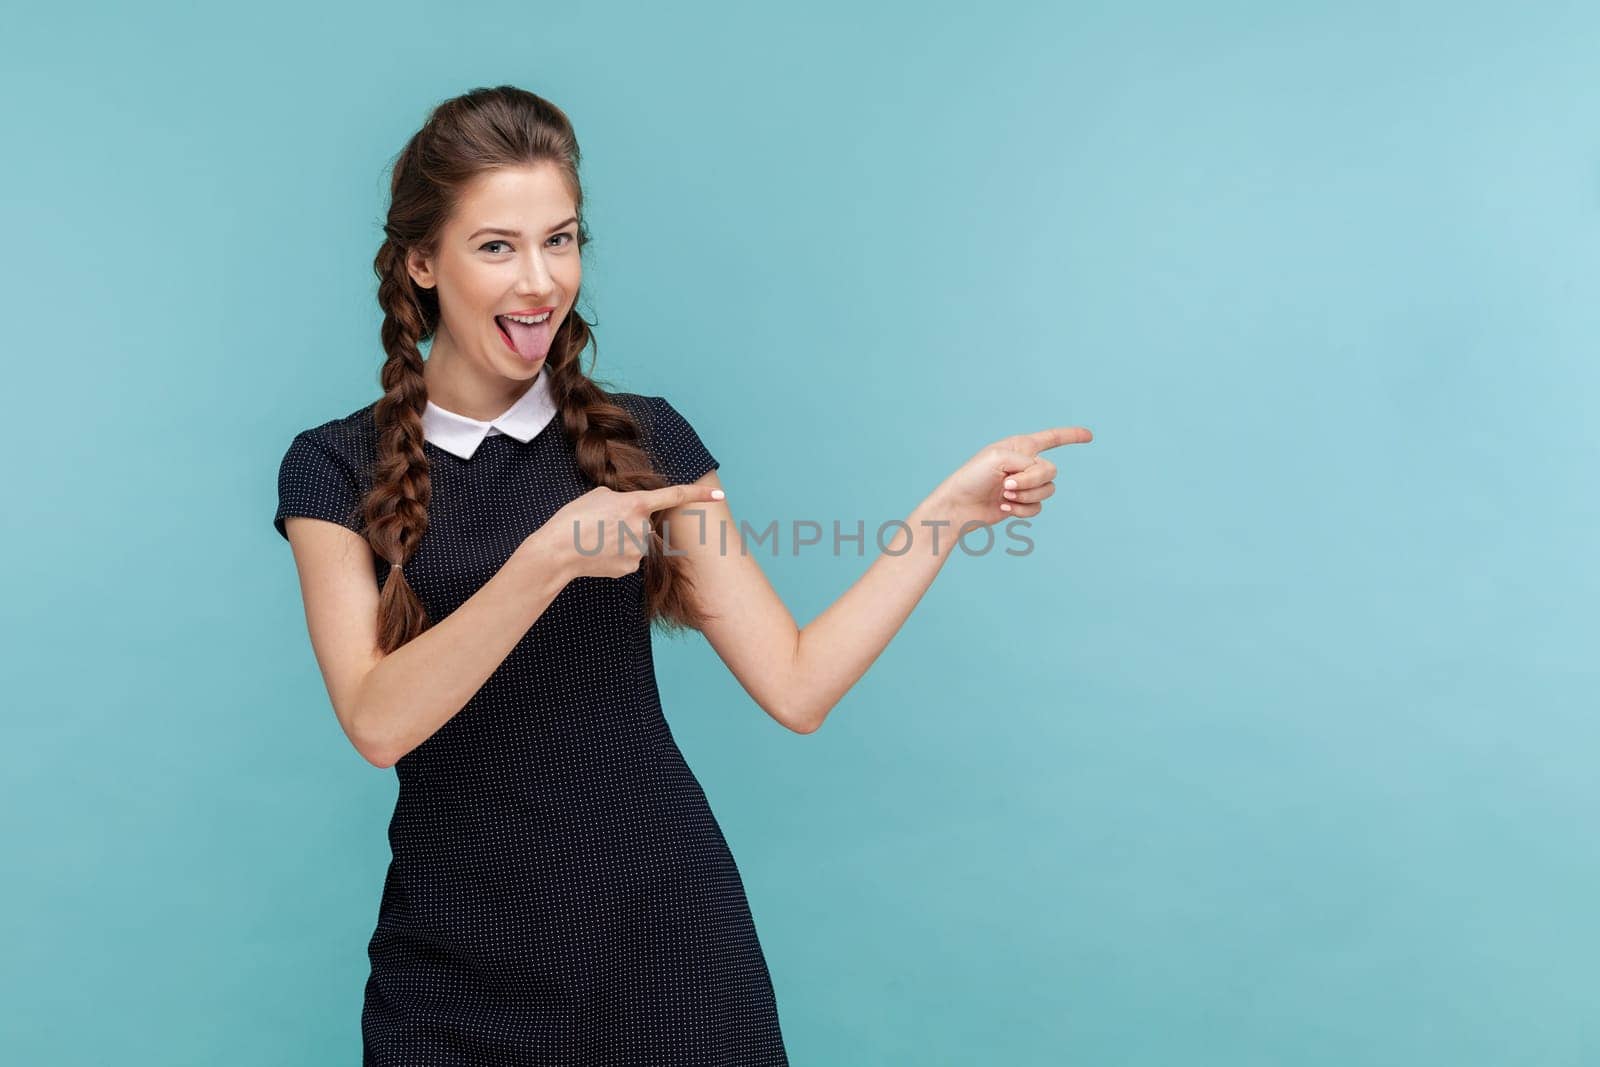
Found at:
(797, 674)
(390, 704)
(421, 685)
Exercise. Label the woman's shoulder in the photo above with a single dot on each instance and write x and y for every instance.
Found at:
(636, 404)
(357, 428)
(349, 440)
(671, 440)
(649, 409)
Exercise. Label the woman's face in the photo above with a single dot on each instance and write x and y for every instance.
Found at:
(510, 248)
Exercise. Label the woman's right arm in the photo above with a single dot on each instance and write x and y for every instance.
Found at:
(390, 704)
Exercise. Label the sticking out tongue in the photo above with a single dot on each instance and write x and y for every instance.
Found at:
(531, 342)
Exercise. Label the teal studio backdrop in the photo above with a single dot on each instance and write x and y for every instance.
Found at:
(1278, 748)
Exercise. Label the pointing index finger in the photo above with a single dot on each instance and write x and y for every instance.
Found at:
(1058, 436)
(670, 496)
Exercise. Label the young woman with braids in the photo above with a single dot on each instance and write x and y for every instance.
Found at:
(560, 891)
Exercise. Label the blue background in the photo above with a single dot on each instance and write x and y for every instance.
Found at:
(1280, 746)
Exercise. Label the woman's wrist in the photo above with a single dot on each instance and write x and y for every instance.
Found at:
(542, 558)
(939, 507)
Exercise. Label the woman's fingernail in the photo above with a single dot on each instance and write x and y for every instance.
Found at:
(1005, 507)
(1011, 483)
(717, 494)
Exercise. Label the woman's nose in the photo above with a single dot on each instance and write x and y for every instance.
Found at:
(535, 277)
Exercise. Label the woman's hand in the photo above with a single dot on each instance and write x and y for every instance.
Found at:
(606, 533)
(1007, 479)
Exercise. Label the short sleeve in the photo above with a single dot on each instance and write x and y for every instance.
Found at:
(678, 451)
(314, 481)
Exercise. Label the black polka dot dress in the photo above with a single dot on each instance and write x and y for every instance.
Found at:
(560, 892)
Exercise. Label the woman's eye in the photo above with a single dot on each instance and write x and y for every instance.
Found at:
(489, 245)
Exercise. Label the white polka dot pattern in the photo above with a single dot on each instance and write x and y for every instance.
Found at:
(560, 891)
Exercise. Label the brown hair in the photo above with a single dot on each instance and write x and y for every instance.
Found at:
(484, 129)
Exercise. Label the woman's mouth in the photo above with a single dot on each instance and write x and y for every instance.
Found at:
(527, 333)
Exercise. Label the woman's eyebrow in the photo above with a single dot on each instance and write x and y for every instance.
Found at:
(518, 233)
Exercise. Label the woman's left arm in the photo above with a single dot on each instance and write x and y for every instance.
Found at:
(797, 674)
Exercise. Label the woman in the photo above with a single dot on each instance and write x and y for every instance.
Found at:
(482, 552)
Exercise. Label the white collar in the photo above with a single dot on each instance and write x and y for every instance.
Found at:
(460, 436)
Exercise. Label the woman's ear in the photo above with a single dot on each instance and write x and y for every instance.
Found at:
(420, 267)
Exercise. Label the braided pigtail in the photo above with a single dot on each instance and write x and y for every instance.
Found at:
(606, 440)
(397, 505)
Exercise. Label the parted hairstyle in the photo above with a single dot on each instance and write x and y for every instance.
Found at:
(484, 129)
